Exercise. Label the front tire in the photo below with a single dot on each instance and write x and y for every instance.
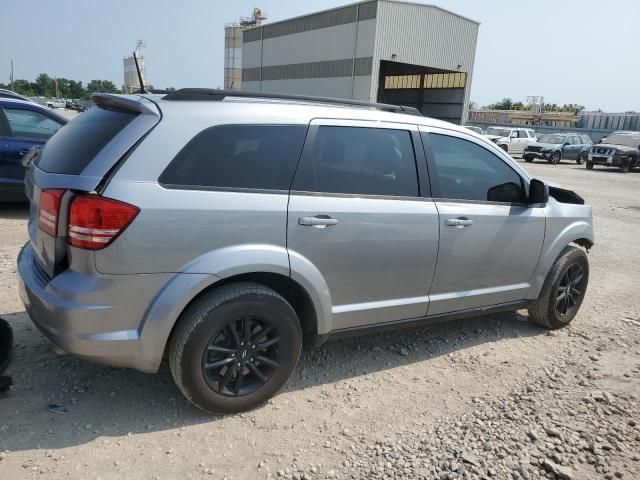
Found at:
(555, 158)
(589, 165)
(582, 158)
(235, 347)
(528, 158)
(563, 290)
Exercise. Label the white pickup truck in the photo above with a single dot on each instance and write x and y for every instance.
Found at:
(511, 140)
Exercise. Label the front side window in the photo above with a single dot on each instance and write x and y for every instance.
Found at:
(29, 124)
(238, 156)
(523, 134)
(364, 161)
(467, 171)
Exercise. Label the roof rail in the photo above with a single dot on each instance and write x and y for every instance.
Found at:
(210, 94)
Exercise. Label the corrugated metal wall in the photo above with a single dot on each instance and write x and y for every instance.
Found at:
(609, 121)
(424, 35)
(328, 52)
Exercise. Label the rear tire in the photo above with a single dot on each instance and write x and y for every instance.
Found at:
(235, 347)
(563, 290)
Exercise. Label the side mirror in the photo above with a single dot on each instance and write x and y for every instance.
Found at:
(538, 191)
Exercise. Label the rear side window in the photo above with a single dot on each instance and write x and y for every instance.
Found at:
(364, 161)
(71, 149)
(238, 156)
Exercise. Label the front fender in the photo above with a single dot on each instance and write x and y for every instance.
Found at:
(557, 238)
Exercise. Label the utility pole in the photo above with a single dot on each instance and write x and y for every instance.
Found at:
(11, 76)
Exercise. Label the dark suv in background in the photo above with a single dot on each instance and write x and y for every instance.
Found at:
(619, 149)
(554, 147)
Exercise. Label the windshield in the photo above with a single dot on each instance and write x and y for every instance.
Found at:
(552, 139)
(501, 132)
(626, 140)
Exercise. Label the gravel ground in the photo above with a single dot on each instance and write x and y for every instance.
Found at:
(492, 397)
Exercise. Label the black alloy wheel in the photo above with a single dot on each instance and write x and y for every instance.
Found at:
(555, 158)
(241, 357)
(570, 291)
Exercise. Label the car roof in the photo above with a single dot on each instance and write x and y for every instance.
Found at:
(4, 93)
(305, 110)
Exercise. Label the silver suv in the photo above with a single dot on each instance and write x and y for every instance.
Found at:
(220, 229)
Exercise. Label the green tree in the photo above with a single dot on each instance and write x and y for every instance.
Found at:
(101, 86)
(504, 104)
(23, 87)
(44, 86)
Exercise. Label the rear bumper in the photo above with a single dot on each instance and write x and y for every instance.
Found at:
(96, 317)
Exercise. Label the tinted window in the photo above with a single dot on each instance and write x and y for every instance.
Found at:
(238, 156)
(71, 149)
(522, 134)
(468, 171)
(29, 124)
(365, 161)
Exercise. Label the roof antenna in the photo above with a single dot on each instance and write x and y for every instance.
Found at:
(135, 59)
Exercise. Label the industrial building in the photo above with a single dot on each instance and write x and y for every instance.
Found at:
(233, 48)
(379, 51)
(131, 80)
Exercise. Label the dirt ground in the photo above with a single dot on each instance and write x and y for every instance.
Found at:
(492, 397)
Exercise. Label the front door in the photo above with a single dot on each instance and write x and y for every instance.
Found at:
(490, 240)
(356, 214)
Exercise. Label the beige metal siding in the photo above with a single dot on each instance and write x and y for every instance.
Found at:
(424, 35)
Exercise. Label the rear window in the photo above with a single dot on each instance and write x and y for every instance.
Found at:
(71, 149)
(238, 156)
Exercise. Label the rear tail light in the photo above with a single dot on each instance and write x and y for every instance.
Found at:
(94, 222)
(49, 210)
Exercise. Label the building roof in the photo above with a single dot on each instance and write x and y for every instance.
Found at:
(361, 3)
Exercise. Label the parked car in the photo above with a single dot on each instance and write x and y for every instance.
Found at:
(555, 147)
(23, 125)
(620, 149)
(57, 103)
(511, 140)
(222, 228)
(4, 93)
(475, 129)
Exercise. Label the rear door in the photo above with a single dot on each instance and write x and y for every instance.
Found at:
(360, 213)
(490, 240)
(77, 158)
(570, 148)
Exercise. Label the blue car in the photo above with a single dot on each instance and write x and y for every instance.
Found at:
(23, 125)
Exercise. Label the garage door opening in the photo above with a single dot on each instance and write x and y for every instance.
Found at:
(436, 93)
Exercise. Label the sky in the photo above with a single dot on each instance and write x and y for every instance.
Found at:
(569, 51)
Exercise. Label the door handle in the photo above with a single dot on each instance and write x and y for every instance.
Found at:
(317, 221)
(458, 222)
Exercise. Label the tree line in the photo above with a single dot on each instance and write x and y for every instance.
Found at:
(47, 86)
(509, 104)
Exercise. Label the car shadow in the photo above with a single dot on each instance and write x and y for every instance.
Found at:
(14, 210)
(113, 402)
